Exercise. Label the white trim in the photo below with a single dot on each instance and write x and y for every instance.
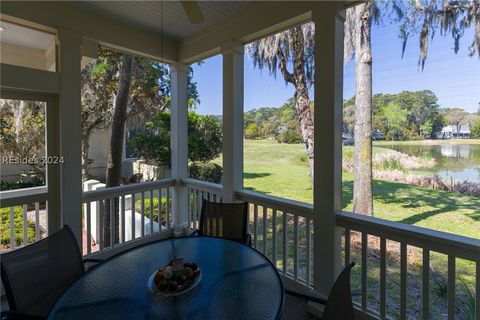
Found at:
(69, 136)
(232, 119)
(256, 21)
(328, 86)
(179, 143)
(28, 79)
(103, 30)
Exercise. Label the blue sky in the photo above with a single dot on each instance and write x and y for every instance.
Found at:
(454, 78)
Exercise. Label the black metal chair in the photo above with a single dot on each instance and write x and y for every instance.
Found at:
(35, 276)
(339, 303)
(225, 220)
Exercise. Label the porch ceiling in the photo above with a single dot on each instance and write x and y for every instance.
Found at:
(147, 15)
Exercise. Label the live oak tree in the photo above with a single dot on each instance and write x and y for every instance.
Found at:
(291, 52)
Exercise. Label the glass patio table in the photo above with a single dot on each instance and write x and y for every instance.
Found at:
(237, 282)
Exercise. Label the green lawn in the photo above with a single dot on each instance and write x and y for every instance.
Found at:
(282, 170)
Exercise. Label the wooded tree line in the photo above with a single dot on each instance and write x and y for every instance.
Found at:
(409, 115)
(280, 124)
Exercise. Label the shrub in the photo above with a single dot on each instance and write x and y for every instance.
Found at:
(204, 139)
(289, 136)
(31, 180)
(205, 171)
(138, 208)
(440, 285)
(470, 296)
(475, 133)
(252, 131)
(18, 223)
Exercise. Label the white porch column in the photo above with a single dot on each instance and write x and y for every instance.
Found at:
(179, 144)
(232, 119)
(328, 19)
(70, 131)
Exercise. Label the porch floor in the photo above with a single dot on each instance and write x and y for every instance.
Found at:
(296, 309)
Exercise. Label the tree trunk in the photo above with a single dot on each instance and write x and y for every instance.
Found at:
(85, 147)
(302, 104)
(114, 164)
(362, 183)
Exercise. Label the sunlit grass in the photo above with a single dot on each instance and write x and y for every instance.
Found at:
(282, 170)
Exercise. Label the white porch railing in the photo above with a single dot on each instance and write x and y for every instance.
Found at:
(27, 207)
(411, 240)
(143, 209)
(282, 230)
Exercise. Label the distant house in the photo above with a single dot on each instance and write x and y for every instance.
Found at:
(451, 131)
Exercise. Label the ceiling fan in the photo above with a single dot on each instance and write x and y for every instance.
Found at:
(193, 11)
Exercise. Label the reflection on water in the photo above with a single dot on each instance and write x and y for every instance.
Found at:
(456, 162)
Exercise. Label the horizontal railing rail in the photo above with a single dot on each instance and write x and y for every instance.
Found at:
(100, 194)
(11, 198)
(292, 206)
(26, 216)
(442, 242)
(203, 185)
(135, 211)
(364, 236)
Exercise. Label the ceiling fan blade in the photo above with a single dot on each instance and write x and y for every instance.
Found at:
(193, 11)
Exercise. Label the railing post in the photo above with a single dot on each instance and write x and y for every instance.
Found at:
(329, 23)
(232, 119)
(179, 144)
(70, 133)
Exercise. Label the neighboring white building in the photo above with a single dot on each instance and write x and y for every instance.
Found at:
(451, 131)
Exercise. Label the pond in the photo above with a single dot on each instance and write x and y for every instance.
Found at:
(457, 162)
